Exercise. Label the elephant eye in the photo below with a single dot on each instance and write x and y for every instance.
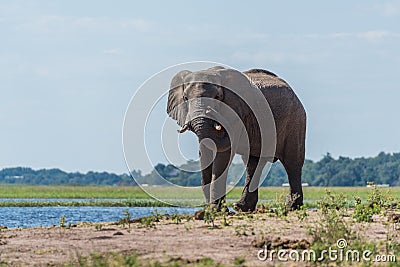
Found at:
(185, 98)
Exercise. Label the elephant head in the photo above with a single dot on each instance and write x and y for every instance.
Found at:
(206, 103)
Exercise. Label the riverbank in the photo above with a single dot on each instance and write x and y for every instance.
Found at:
(227, 240)
(350, 224)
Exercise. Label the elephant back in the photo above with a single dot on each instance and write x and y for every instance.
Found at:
(265, 79)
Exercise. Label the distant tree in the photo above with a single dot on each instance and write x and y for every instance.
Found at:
(382, 169)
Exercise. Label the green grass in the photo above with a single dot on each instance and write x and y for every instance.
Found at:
(92, 203)
(135, 196)
(132, 260)
(38, 191)
(313, 194)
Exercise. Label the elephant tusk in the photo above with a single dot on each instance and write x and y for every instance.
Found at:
(218, 127)
(210, 109)
(183, 129)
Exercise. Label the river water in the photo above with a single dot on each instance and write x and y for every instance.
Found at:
(23, 217)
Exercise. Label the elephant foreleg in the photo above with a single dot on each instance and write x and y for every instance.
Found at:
(218, 180)
(249, 199)
(206, 159)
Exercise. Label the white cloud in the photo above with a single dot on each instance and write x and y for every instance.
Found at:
(373, 36)
(41, 71)
(370, 36)
(56, 23)
(260, 58)
(380, 8)
(112, 51)
(390, 9)
(137, 24)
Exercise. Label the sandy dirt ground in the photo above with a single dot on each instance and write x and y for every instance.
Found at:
(186, 241)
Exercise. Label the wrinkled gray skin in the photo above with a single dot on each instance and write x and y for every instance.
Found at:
(288, 114)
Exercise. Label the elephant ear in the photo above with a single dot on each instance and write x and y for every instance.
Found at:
(177, 108)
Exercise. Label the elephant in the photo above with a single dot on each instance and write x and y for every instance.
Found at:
(193, 95)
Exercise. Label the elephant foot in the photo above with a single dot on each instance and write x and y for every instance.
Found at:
(246, 204)
(297, 203)
(199, 215)
(243, 207)
(296, 206)
(248, 201)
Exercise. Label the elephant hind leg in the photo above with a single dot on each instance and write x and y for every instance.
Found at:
(296, 190)
(249, 199)
(293, 163)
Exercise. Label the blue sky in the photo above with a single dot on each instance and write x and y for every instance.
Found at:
(68, 70)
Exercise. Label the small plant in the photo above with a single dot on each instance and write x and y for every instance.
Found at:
(302, 213)
(376, 203)
(225, 221)
(328, 229)
(331, 226)
(176, 218)
(250, 217)
(110, 259)
(240, 215)
(282, 205)
(63, 221)
(333, 201)
(252, 231)
(238, 261)
(363, 212)
(209, 216)
(392, 248)
(149, 221)
(98, 226)
(205, 261)
(157, 215)
(223, 214)
(188, 218)
(126, 219)
(376, 197)
(392, 235)
(241, 230)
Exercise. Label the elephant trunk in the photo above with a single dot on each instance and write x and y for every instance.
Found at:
(208, 128)
(203, 121)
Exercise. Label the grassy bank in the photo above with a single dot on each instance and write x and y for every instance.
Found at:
(136, 197)
(38, 191)
(92, 203)
(130, 192)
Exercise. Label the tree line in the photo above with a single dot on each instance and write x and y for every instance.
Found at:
(23, 175)
(344, 171)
